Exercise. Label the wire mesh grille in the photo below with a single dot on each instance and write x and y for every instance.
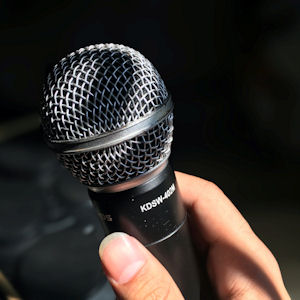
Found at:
(124, 161)
(99, 89)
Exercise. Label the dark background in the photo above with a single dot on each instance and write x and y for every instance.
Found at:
(233, 69)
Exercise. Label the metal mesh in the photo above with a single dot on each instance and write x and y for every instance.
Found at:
(99, 89)
(124, 161)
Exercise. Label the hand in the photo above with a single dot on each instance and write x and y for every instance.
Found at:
(239, 265)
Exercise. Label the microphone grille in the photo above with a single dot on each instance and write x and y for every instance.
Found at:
(99, 89)
(123, 161)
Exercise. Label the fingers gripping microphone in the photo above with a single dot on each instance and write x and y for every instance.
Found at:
(109, 117)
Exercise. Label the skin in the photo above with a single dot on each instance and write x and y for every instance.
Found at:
(238, 264)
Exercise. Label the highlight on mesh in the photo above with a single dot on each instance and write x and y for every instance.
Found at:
(99, 89)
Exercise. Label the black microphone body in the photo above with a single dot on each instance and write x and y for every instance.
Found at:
(153, 213)
(109, 117)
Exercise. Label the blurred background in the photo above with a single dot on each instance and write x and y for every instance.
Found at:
(233, 69)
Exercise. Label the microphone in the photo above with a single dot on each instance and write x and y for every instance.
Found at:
(107, 114)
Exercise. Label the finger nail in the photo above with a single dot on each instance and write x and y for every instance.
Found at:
(121, 256)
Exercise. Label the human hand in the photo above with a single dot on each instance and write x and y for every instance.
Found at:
(239, 265)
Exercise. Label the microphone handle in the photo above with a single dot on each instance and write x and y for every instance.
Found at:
(153, 213)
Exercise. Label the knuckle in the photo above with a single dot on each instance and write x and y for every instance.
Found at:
(150, 289)
(238, 290)
(212, 188)
(245, 229)
(158, 293)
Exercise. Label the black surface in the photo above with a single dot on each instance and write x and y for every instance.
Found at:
(131, 211)
(62, 265)
(49, 231)
(176, 254)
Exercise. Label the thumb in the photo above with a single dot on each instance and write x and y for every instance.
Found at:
(133, 271)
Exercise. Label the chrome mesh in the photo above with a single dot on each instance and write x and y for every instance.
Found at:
(124, 161)
(97, 90)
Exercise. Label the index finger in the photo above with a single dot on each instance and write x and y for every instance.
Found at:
(215, 215)
(238, 261)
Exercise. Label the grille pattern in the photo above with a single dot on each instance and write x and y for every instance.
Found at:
(99, 89)
(124, 161)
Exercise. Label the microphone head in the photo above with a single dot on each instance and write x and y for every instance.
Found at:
(107, 114)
